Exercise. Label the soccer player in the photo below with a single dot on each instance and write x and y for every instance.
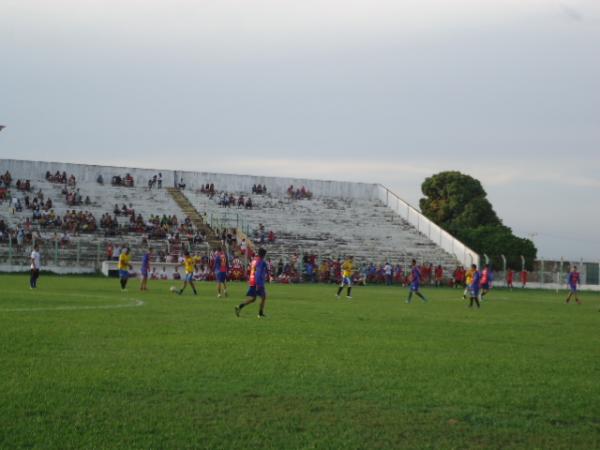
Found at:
(469, 280)
(221, 272)
(35, 267)
(510, 275)
(475, 286)
(145, 269)
(124, 266)
(259, 272)
(190, 266)
(347, 270)
(573, 279)
(485, 282)
(415, 283)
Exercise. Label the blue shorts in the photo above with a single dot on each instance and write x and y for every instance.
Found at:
(221, 277)
(414, 287)
(573, 288)
(144, 273)
(474, 292)
(189, 277)
(254, 291)
(123, 274)
(346, 281)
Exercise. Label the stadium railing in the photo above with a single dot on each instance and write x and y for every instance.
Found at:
(425, 226)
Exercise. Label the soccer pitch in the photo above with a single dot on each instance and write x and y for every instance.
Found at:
(87, 366)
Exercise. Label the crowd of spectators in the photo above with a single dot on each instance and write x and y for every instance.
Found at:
(156, 180)
(299, 193)
(23, 185)
(126, 181)
(263, 236)
(61, 178)
(208, 189)
(228, 200)
(259, 189)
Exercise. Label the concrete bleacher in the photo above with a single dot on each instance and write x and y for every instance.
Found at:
(86, 249)
(328, 226)
(343, 218)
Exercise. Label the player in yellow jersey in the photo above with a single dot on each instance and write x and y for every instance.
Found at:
(468, 281)
(124, 266)
(189, 265)
(347, 271)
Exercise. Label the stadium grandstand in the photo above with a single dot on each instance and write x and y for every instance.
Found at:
(82, 214)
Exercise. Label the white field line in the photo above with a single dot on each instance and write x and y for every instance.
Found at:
(136, 304)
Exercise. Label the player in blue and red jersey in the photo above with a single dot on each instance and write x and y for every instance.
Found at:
(573, 280)
(259, 273)
(415, 283)
(145, 269)
(485, 283)
(475, 286)
(221, 268)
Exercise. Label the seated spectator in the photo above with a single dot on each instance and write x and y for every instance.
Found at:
(254, 189)
(249, 203)
(87, 200)
(6, 179)
(271, 237)
(100, 179)
(128, 180)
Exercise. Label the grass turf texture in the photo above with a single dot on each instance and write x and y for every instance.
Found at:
(372, 372)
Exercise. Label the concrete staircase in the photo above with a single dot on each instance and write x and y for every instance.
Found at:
(188, 209)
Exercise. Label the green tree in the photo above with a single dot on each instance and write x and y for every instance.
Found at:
(459, 204)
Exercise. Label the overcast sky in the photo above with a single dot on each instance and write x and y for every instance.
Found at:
(387, 91)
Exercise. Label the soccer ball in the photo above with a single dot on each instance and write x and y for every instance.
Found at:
(173, 289)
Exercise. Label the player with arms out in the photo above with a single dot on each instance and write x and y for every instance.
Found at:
(221, 272)
(415, 283)
(124, 267)
(189, 265)
(259, 273)
(35, 267)
(145, 270)
(573, 279)
(347, 270)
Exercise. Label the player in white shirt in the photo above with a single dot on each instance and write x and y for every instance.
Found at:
(35, 267)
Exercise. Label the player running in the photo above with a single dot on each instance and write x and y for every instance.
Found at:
(415, 283)
(475, 287)
(573, 279)
(259, 272)
(486, 279)
(145, 269)
(35, 267)
(347, 270)
(190, 265)
(221, 272)
(124, 267)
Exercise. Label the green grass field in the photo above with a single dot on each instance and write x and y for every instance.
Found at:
(84, 365)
